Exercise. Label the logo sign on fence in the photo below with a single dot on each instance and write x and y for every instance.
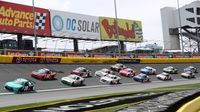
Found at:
(128, 61)
(128, 30)
(16, 18)
(35, 60)
(65, 24)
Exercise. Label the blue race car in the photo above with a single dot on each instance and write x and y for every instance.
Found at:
(148, 70)
(142, 77)
(191, 68)
(20, 85)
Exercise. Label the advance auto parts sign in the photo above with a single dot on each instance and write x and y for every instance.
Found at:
(16, 18)
(129, 30)
(65, 24)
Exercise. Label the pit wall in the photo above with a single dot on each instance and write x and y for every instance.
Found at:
(83, 60)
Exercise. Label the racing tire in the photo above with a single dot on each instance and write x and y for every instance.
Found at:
(81, 83)
(21, 90)
(31, 88)
(72, 84)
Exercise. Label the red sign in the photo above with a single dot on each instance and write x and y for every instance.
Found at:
(46, 53)
(16, 18)
(35, 60)
(74, 55)
(19, 52)
(102, 55)
(162, 56)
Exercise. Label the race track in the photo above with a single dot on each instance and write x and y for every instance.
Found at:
(12, 71)
(54, 90)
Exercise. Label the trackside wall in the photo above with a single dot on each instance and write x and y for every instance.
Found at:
(84, 60)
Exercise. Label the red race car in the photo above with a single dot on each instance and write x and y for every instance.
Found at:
(43, 74)
(81, 71)
(128, 72)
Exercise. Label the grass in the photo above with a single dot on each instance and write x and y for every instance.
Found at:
(162, 89)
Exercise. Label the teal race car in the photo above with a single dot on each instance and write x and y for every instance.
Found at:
(20, 85)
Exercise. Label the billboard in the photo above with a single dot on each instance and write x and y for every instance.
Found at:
(65, 24)
(16, 18)
(128, 30)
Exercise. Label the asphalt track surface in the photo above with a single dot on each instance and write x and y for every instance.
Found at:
(12, 71)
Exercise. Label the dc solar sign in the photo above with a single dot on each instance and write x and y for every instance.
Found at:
(70, 25)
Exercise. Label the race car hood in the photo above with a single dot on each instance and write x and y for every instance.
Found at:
(144, 70)
(12, 84)
(67, 79)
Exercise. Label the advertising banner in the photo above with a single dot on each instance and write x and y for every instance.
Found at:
(18, 52)
(65, 24)
(16, 18)
(128, 30)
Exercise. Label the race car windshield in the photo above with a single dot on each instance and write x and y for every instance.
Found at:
(42, 71)
(72, 76)
(18, 81)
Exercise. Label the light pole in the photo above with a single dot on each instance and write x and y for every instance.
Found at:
(119, 46)
(179, 16)
(34, 27)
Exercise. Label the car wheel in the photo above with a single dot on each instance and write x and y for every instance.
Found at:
(81, 83)
(111, 82)
(72, 84)
(21, 90)
(31, 88)
(142, 80)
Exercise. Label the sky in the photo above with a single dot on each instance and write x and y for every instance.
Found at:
(147, 11)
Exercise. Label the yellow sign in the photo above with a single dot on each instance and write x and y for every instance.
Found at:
(128, 30)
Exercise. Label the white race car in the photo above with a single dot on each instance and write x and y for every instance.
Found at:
(117, 67)
(164, 76)
(73, 80)
(171, 70)
(103, 72)
(188, 74)
(110, 79)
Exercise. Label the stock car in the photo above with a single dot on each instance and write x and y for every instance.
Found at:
(128, 72)
(43, 74)
(81, 71)
(117, 67)
(188, 74)
(148, 70)
(191, 68)
(171, 70)
(20, 85)
(103, 72)
(142, 77)
(110, 79)
(73, 80)
(164, 76)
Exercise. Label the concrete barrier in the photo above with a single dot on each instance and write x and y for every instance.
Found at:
(192, 106)
(70, 60)
(87, 60)
(6, 59)
(169, 60)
